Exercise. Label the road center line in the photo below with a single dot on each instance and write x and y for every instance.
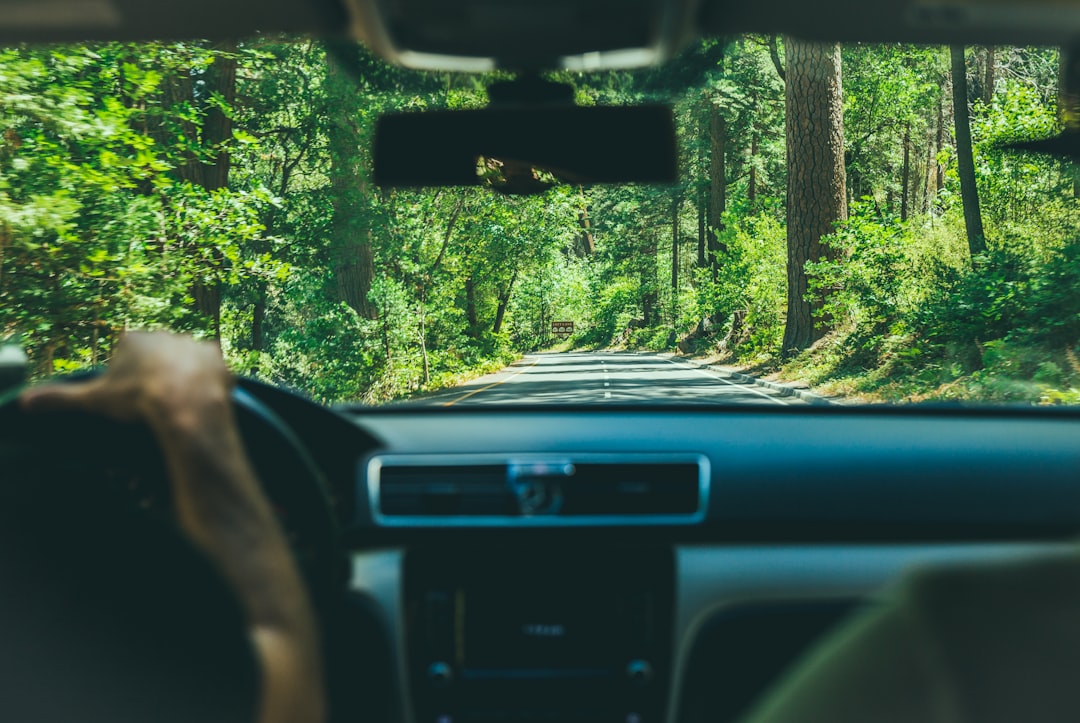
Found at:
(489, 386)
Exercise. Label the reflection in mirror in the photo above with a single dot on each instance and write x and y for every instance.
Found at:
(515, 177)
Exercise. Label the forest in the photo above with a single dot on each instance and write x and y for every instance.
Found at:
(846, 217)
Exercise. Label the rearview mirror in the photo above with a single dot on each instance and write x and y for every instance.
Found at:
(526, 149)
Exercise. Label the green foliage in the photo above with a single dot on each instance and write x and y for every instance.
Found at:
(750, 283)
(124, 204)
(884, 273)
(891, 93)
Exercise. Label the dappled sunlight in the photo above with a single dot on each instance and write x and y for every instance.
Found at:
(225, 190)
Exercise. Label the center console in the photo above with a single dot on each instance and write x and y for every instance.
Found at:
(535, 634)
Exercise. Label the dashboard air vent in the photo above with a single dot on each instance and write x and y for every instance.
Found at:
(526, 490)
(444, 490)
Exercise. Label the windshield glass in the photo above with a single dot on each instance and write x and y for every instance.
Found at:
(846, 226)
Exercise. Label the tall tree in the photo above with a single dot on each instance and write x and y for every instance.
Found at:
(351, 249)
(751, 181)
(905, 175)
(586, 245)
(209, 161)
(817, 195)
(676, 202)
(717, 183)
(965, 159)
(220, 92)
(704, 168)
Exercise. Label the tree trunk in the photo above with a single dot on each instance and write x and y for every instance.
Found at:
(1069, 103)
(817, 194)
(215, 133)
(924, 205)
(702, 233)
(447, 236)
(675, 203)
(95, 335)
(388, 348)
(351, 250)
(751, 184)
(939, 144)
(965, 159)
(702, 189)
(423, 341)
(44, 360)
(258, 318)
(647, 273)
(504, 303)
(470, 309)
(717, 185)
(586, 241)
(207, 298)
(648, 309)
(1069, 87)
(5, 241)
(989, 79)
(905, 175)
(774, 55)
(217, 125)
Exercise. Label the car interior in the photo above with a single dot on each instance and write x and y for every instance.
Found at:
(570, 563)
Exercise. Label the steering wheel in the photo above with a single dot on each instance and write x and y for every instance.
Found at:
(85, 509)
(69, 446)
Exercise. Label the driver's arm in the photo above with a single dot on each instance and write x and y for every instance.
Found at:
(181, 389)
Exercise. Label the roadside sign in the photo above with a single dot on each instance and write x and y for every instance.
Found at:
(562, 329)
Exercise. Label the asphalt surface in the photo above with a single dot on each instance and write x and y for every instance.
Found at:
(605, 378)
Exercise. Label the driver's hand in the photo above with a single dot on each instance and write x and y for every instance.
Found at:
(181, 389)
(158, 378)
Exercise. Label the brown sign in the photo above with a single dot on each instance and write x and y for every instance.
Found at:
(562, 329)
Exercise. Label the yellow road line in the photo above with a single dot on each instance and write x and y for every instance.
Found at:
(489, 386)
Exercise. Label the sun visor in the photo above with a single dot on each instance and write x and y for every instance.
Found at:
(480, 35)
(46, 21)
(967, 22)
(528, 149)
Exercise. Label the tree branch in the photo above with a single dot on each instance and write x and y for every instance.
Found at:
(774, 53)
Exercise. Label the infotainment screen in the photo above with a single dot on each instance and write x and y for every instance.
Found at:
(538, 632)
(531, 627)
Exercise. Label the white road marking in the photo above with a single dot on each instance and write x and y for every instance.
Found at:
(717, 377)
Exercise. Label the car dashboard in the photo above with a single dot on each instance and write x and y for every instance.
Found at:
(650, 563)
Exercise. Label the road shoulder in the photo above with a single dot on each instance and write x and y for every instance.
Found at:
(783, 390)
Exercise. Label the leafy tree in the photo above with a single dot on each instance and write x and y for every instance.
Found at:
(965, 155)
(817, 187)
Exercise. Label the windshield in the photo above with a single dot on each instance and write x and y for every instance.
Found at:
(846, 227)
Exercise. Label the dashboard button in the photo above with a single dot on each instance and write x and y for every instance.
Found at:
(440, 625)
(440, 675)
(639, 672)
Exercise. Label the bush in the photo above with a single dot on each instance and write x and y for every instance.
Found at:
(750, 285)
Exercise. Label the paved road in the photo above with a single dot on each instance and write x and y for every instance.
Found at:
(604, 378)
